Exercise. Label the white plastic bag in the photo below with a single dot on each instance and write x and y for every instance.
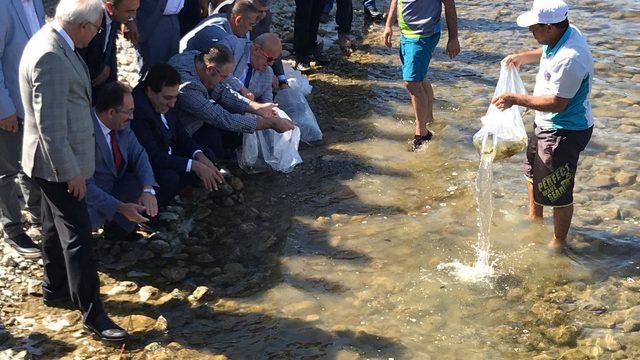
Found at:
(269, 150)
(293, 103)
(503, 132)
(296, 80)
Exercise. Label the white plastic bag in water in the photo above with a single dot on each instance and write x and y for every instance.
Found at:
(293, 103)
(269, 150)
(296, 80)
(503, 132)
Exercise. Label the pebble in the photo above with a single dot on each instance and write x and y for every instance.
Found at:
(199, 293)
(123, 287)
(148, 293)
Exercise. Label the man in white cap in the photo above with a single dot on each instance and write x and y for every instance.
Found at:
(563, 122)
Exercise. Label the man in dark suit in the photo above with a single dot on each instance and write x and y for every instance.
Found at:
(100, 55)
(173, 153)
(159, 29)
(19, 21)
(121, 189)
(58, 152)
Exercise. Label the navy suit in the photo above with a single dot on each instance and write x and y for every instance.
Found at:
(97, 56)
(108, 188)
(169, 148)
(159, 33)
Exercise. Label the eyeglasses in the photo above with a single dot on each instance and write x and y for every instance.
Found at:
(98, 28)
(270, 59)
(129, 113)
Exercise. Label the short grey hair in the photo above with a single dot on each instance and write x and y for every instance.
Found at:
(79, 11)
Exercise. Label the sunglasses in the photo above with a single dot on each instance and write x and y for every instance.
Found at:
(270, 59)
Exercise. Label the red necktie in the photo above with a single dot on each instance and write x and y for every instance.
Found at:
(117, 155)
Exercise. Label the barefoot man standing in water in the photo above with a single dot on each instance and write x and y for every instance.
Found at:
(564, 122)
(419, 22)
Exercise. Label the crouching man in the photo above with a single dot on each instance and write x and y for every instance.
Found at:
(176, 160)
(121, 192)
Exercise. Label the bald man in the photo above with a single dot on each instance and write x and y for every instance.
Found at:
(265, 49)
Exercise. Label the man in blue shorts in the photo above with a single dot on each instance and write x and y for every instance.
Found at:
(419, 22)
(563, 122)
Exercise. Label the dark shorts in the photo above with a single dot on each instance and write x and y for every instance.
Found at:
(551, 163)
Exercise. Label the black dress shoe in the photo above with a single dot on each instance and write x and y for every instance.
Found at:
(24, 246)
(104, 329)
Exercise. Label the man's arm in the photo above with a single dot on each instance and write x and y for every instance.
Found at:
(392, 16)
(195, 103)
(549, 103)
(105, 203)
(450, 14)
(523, 58)
(7, 106)
(50, 89)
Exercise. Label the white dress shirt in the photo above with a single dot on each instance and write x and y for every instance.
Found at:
(32, 17)
(190, 162)
(57, 27)
(105, 132)
(173, 7)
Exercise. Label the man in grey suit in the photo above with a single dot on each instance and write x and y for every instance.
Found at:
(58, 152)
(159, 29)
(19, 20)
(121, 189)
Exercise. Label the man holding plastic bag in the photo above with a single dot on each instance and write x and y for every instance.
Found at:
(564, 122)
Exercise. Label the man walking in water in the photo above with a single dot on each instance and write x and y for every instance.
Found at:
(563, 122)
(419, 22)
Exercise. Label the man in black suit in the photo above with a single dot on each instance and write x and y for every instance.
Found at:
(100, 55)
(173, 154)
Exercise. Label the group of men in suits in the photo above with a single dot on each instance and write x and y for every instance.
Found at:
(88, 151)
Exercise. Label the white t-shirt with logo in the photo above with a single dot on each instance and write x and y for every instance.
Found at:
(566, 71)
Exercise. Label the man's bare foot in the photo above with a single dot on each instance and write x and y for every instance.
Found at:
(556, 245)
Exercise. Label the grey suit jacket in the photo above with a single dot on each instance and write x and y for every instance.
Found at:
(14, 35)
(104, 184)
(58, 142)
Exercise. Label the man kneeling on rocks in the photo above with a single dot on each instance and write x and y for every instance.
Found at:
(121, 189)
(214, 114)
(265, 50)
(174, 156)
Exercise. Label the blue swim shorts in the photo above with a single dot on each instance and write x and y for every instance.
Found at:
(415, 55)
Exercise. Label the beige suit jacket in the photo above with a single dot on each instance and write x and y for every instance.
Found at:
(59, 139)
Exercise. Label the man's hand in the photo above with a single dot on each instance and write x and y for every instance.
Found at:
(504, 101)
(77, 187)
(281, 125)
(248, 94)
(10, 123)
(514, 60)
(130, 31)
(206, 174)
(453, 47)
(150, 203)
(102, 77)
(266, 110)
(204, 8)
(132, 212)
(387, 35)
(201, 157)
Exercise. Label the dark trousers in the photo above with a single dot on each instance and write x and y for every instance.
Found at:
(171, 182)
(220, 144)
(10, 171)
(305, 27)
(67, 249)
(189, 16)
(344, 16)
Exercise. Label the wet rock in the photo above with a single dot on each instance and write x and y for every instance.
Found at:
(515, 294)
(199, 293)
(631, 325)
(174, 273)
(202, 213)
(602, 181)
(147, 293)
(159, 246)
(542, 357)
(565, 335)
(161, 324)
(123, 287)
(140, 323)
(574, 354)
(176, 297)
(204, 258)
(168, 216)
(236, 184)
(248, 227)
(234, 269)
(625, 178)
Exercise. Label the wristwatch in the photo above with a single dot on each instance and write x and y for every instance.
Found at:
(151, 191)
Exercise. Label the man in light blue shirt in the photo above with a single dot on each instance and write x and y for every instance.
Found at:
(564, 121)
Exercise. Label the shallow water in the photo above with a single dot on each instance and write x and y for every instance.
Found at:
(372, 221)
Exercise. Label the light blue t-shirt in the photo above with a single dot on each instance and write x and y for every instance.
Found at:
(566, 71)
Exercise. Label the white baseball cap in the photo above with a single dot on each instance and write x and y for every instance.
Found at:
(544, 12)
